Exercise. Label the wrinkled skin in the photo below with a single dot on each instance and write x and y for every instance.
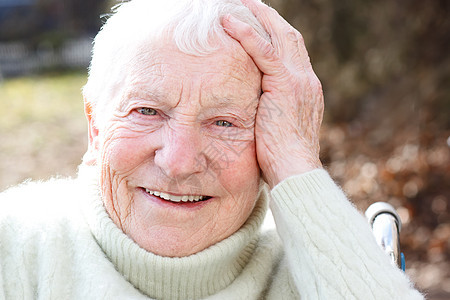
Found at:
(181, 147)
(291, 106)
(179, 143)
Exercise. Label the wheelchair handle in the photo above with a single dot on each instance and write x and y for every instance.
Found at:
(386, 226)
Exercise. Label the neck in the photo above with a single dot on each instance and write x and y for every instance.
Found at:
(195, 276)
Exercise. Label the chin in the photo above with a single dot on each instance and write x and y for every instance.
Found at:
(174, 247)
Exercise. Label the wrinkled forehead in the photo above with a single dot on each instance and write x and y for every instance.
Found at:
(161, 56)
(155, 68)
(158, 62)
(193, 25)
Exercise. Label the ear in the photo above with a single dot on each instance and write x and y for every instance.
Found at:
(90, 157)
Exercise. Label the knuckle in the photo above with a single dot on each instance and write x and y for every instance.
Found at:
(266, 49)
(314, 81)
(248, 31)
(291, 35)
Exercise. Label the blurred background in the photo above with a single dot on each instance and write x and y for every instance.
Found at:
(385, 70)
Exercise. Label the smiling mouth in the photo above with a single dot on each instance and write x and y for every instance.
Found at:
(178, 198)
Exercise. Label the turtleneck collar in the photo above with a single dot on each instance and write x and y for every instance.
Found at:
(191, 277)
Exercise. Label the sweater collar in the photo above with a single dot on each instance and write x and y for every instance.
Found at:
(191, 277)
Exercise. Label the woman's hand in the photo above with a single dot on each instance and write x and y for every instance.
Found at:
(291, 105)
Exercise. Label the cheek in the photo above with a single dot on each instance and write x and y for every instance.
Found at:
(240, 176)
(241, 182)
(123, 150)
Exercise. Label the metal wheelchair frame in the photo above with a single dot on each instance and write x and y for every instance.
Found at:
(386, 226)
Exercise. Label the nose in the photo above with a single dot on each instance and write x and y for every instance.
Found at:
(180, 154)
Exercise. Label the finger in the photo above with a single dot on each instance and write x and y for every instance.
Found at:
(267, 16)
(296, 43)
(261, 51)
(285, 38)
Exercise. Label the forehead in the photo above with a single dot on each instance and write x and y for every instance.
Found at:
(160, 68)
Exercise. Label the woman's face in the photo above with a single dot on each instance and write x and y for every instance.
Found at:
(177, 155)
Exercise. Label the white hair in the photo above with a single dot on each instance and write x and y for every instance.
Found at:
(194, 25)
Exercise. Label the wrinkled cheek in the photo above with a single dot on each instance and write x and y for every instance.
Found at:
(117, 201)
(230, 154)
(110, 190)
(122, 153)
(240, 174)
(115, 165)
(116, 195)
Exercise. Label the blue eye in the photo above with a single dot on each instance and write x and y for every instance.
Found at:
(223, 123)
(147, 111)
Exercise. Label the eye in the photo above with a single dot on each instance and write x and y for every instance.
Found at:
(147, 111)
(223, 123)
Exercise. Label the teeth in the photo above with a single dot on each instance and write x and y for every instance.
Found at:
(175, 198)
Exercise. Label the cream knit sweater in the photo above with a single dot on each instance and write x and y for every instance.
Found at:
(58, 242)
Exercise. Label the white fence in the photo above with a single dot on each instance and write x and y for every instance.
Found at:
(17, 59)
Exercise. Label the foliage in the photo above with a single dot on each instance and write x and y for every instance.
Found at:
(385, 69)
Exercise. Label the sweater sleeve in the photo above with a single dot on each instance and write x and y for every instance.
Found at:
(330, 249)
(2, 292)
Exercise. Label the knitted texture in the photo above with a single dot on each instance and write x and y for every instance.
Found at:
(58, 242)
(323, 233)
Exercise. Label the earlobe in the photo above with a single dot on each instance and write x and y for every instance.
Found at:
(90, 157)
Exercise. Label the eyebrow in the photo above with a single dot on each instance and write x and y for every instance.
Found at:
(155, 96)
(142, 94)
(237, 105)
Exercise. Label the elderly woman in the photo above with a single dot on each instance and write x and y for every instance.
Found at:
(196, 109)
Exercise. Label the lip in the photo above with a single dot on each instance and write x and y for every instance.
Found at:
(174, 205)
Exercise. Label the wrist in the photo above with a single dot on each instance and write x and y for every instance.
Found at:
(277, 172)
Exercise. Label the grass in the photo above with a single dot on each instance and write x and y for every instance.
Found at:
(40, 99)
(42, 127)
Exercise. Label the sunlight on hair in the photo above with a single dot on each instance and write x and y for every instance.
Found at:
(195, 27)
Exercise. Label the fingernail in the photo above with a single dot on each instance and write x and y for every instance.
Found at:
(227, 21)
(231, 19)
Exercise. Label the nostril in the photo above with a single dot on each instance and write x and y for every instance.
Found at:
(179, 159)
